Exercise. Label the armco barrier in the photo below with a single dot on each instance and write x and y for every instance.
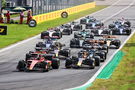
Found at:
(57, 14)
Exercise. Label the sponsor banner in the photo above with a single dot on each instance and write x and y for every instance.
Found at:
(3, 30)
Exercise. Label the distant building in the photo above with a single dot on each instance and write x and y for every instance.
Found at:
(14, 3)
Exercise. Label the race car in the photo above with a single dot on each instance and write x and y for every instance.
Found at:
(87, 19)
(112, 41)
(120, 30)
(38, 62)
(120, 27)
(76, 43)
(83, 34)
(77, 27)
(97, 52)
(83, 21)
(107, 41)
(94, 25)
(66, 26)
(95, 44)
(122, 22)
(101, 31)
(84, 58)
(53, 33)
(66, 29)
(54, 47)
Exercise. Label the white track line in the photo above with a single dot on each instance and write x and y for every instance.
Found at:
(101, 68)
(18, 43)
(107, 7)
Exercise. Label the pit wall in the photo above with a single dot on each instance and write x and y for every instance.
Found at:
(57, 14)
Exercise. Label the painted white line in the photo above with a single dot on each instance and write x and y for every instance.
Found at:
(100, 10)
(107, 7)
(18, 43)
(101, 68)
(119, 11)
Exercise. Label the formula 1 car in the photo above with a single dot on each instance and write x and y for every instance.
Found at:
(53, 33)
(66, 29)
(38, 62)
(87, 20)
(79, 37)
(122, 22)
(111, 41)
(84, 58)
(94, 25)
(120, 27)
(55, 47)
(66, 26)
(101, 31)
(120, 30)
(83, 21)
(76, 43)
(107, 41)
(77, 27)
(95, 44)
(97, 52)
(83, 34)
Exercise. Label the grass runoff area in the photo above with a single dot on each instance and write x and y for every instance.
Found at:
(18, 32)
(123, 78)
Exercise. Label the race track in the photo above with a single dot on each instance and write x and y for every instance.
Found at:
(11, 79)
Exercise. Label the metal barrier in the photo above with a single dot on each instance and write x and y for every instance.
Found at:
(45, 6)
(57, 14)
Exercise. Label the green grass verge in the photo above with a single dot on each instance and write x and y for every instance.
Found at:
(20, 32)
(123, 77)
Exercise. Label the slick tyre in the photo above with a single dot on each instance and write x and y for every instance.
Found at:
(45, 67)
(21, 65)
(93, 65)
(68, 64)
(55, 63)
(97, 61)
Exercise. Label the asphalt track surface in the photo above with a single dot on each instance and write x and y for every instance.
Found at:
(11, 79)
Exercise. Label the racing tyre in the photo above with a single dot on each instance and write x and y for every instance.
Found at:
(68, 63)
(76, 67)
(92, 66)
(97, 61)
(129, 32)
(69, 32)
(118, 45)
(21, 65)
(55, 63)
(45, 66)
